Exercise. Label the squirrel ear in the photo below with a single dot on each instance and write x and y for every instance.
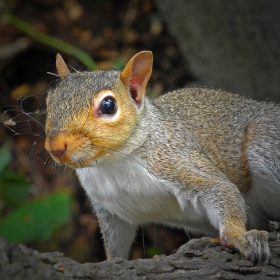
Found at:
(137, 73)
(61, 67)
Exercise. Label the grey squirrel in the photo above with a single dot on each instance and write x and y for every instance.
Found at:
(200, 159)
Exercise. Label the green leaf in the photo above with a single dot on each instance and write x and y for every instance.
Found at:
(5, 156)
(14, 189)
(37, 220)
(152, 251)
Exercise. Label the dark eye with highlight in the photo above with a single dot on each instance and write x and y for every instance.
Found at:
(108, 106)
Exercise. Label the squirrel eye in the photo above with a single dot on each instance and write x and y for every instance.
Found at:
(108, 106)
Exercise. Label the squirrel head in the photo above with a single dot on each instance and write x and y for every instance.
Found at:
(92, 114)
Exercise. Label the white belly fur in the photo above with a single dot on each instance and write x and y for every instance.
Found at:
(125, 188)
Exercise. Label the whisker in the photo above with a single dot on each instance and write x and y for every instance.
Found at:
(120, 154)
(53, 74)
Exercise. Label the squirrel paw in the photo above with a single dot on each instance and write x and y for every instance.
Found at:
(253, 245)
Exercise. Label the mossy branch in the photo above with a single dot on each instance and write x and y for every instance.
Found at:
(50, 41)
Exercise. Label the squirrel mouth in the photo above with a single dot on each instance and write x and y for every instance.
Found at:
(76, 153)
(76, 162)
(75, 165)
(72, 150)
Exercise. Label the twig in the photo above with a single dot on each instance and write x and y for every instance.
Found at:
(13, 48)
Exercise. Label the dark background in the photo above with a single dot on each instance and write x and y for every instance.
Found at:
(111, 32)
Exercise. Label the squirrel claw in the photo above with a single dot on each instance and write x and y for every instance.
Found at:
(253, 245)
(256, 247)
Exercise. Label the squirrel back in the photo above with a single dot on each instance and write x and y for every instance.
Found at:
(224, 124)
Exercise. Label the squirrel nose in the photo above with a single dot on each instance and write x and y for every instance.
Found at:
(59, 152)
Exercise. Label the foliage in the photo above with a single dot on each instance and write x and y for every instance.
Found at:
(30, 219)
(151, 251)
(51, 41)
